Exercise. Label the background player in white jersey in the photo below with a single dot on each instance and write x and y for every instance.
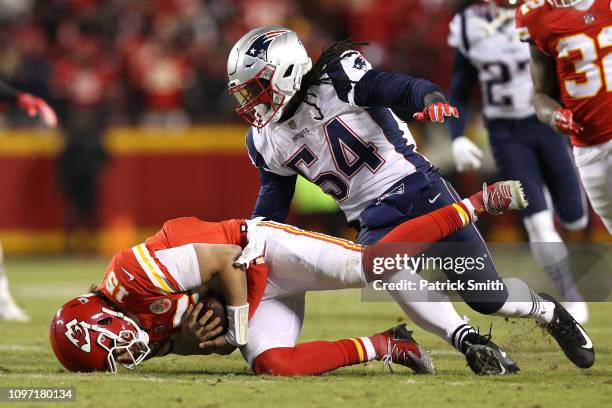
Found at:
(488, 50)
(33, 106)
(331, 122)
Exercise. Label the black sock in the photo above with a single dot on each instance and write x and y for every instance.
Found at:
(463, 336)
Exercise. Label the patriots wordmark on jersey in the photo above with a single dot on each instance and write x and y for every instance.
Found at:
(339, 144)
(490, 43)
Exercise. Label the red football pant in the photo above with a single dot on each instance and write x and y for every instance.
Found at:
(312, 358)
(417, 234)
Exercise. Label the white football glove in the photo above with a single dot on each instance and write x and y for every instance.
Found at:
(467, 155)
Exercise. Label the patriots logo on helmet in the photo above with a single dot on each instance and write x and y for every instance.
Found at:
(259, 46)
(360, 63)
(78, 335)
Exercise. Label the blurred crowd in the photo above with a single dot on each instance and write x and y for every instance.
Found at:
(163, 62)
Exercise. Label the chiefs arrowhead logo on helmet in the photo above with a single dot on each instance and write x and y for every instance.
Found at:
(92, 325)
(78, 334)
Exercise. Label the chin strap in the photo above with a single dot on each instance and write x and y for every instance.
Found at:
(237, 324)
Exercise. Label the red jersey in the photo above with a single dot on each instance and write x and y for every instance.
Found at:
(140, 284)
(580, 42)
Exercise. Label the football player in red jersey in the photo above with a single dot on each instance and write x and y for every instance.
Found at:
(571, 69)
(144, 306)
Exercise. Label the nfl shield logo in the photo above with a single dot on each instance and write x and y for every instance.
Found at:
(589, 18)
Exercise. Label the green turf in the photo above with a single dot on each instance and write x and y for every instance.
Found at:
(547, 379)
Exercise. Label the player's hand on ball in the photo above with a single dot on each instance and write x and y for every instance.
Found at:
(563, 122)
(218, 345)
(196, 329)
(437, 112)
(467, 155)
(34, 105)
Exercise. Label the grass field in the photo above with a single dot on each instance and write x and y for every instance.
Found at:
(547, 379)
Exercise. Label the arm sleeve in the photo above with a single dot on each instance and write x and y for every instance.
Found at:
(387, 89)
(7, 92)
(465, 78)
(275, 195)
(358, 84)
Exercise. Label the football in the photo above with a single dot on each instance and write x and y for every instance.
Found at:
(218, 308)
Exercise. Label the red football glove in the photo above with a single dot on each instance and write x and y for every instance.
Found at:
(437, 112)
(33, 105)
(563, 122)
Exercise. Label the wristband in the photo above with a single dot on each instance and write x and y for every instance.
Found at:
(237, 323)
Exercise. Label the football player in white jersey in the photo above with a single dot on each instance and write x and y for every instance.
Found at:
(331, 123)
(488, 50)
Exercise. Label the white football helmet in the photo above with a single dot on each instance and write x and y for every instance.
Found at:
(265, 69)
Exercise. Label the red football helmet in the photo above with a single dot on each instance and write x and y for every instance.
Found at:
(87, 334)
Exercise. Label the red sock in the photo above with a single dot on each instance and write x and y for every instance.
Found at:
(312, 358)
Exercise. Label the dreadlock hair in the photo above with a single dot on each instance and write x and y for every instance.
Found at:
(330, 56)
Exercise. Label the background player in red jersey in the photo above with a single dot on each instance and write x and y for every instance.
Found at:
(571, 69)
(152, 283)
(33, 106)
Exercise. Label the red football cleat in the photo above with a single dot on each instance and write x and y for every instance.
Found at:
(500, 197)
(396, 345)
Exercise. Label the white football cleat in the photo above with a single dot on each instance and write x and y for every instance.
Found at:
(11, 312)
(578, 310)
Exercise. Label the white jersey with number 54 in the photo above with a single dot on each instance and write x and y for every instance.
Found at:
(353, 153)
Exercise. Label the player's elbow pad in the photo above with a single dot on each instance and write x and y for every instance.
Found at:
(237, 324)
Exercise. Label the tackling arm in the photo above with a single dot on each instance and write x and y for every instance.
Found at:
(393, 90)
(275, 195)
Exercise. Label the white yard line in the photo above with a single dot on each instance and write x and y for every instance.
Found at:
(68, 376)
(451, 352)
(23, 292)
(22, 348)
